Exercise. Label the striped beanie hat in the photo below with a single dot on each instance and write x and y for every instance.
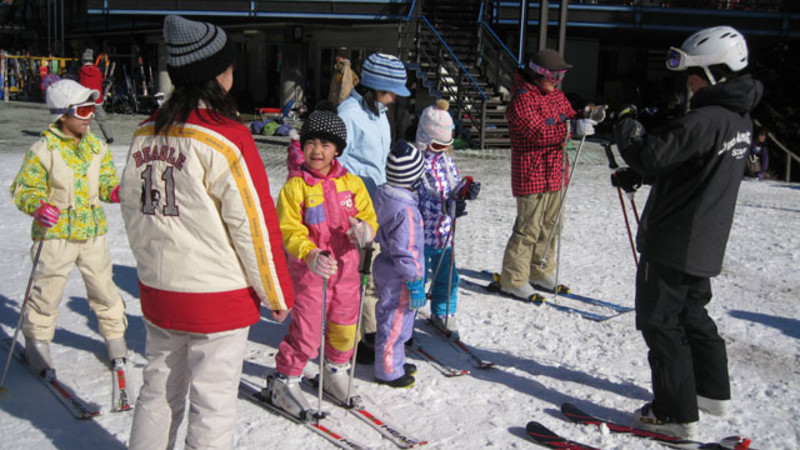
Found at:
(435, 125)
(383, 72)
(404, 165)
(196, 51)
(325, 125)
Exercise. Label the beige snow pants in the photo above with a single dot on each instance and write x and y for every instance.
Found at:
(57, 260)
(536, 219)
(207, 367)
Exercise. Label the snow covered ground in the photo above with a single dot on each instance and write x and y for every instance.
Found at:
(544, 356)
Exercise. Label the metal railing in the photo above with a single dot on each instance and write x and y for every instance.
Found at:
(467, 99)
(497, 62)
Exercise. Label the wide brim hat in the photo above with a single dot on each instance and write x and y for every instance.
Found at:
(550, 59)
(383, 72)
(65, 93)
(196, 51)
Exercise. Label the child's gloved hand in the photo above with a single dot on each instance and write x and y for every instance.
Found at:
(46, 214)
(416, 290)
(114, 196)
(321, 263)
(360, 233)
(454, 208)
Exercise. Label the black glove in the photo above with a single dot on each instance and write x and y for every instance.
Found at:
(466, 189)
(629, 110)
(455, 208)
(626, 178)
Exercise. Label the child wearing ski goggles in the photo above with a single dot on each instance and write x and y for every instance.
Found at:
(83, 111)
(555, 76)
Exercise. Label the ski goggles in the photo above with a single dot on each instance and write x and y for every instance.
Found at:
(555, 76)
(435, 146)
(679, 60)
(84, 111)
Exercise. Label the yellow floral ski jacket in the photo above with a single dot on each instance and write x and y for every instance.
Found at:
(74, 177)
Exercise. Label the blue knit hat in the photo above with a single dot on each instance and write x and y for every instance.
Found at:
(384, 72)
(404, 165)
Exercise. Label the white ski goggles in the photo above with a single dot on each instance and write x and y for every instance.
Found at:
(83, 111)
(555, 76)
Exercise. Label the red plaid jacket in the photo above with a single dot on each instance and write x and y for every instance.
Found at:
(538, 127)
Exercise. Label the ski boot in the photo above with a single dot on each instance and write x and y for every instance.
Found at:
(37, 354)
(337, 382)
(285, 393)
(645, 419)
(450, 328)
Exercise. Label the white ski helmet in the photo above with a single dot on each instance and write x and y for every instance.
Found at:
(708, 47)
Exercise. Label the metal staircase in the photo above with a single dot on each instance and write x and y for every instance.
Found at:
(458, 57)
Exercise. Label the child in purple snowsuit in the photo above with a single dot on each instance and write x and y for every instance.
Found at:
(400, 267)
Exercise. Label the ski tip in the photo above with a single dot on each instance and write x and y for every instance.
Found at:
(563, 289)
(537, 299)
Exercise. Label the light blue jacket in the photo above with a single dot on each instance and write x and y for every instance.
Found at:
(369, 141)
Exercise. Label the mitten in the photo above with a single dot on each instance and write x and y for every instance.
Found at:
(627, 111)
(416, 290)
(321, 263)
(360, 233)
(584, 127)
(114, 196)
(626, 178)
(595, 112)
(46, 214)
(454, 208)
(466, 189)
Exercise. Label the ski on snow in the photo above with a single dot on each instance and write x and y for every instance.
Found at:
(577, 415)
(538, 300)
(437, 364)
(398, 437)
(547, 438)
(64, 393)
(457, 343)
(254, 394)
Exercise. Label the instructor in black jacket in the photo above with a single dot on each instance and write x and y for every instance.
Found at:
(696, 163)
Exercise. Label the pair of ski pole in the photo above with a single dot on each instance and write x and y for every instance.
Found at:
(364, 270)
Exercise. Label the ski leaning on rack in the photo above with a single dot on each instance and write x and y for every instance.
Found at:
(399, 438)
(254, 394)
(65, 394)
(457, 343)
(547, 438)
(577, 415)
(441, 367)
(120, 396)
(538, 300)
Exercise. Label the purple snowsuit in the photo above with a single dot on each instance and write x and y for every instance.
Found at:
(402, 258)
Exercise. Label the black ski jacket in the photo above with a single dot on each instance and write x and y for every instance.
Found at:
(697, 162)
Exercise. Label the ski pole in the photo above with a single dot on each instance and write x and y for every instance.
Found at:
(319, 414)
(561, 203)
(364, 270)
(429, 295)
(627, 224)
(633, 206)
(450, 277)
(21, 314)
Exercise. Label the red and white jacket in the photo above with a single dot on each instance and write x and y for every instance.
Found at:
(203, 227)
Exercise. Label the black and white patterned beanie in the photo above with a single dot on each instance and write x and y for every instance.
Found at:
(196, 51)
(325, 125)
(404, 165)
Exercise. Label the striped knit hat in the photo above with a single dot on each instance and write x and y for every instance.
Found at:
(435, 125)
(196, 51)
(404, 165)
(383, 72)
(325, 125)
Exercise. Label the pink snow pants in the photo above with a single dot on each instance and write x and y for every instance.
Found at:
(343, 300)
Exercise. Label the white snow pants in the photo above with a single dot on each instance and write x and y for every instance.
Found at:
(207, 367)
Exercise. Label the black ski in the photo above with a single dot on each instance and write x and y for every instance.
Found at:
(538, 300)
(78, 407)
(253, 393)
(577, 415)
(457, 343)
(547, 438)
(443, 368)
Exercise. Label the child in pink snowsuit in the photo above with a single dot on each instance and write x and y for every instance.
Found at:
(325, 214)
